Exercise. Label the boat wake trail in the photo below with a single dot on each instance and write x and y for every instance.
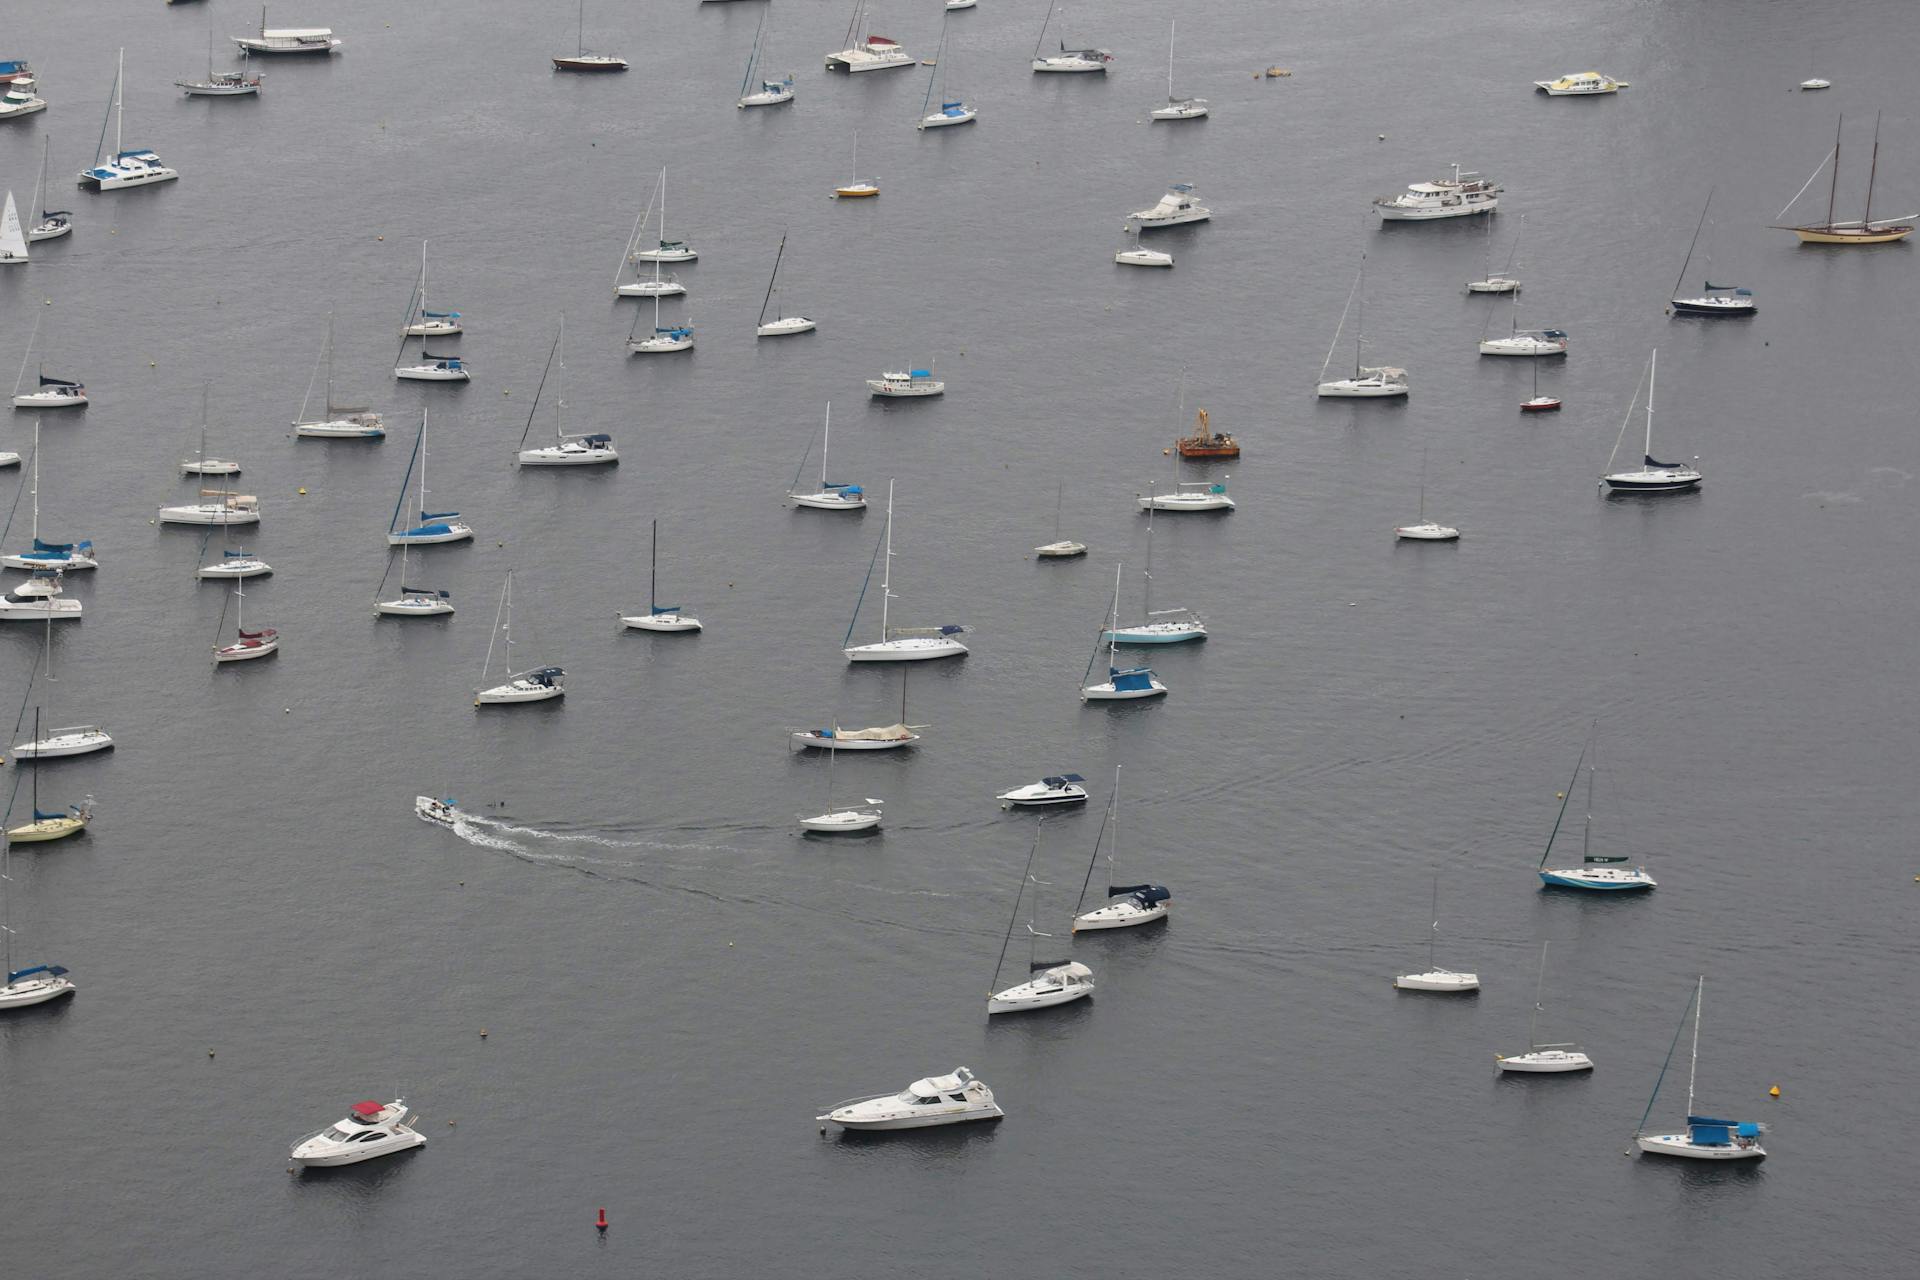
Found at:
(468, 829)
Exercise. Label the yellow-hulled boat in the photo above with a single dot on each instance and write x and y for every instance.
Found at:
(857, 191)
(1873, 233)
(1866, 231)
(52, 826)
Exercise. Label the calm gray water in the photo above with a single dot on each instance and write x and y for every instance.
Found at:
(672, 983)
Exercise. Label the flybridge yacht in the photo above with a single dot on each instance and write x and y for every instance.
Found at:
(935, 1100)
(20, 98)
(1175, 207)
(370, 1129)
(1463, 194)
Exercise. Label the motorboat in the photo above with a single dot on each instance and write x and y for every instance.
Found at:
(830, 496)
(1461, 195)
(1868, 230)
(884, 737)
(936, 1100)
(1705, 1138)
(782, 325)
(1653, 476)
(36, 984)
(1123, 684)
(39, 599)
(659, 617)
(580, 59)
(1543, 1059)
(1580, 84)
(136, 167)
(247, 645)
(1527, 342)
(8, 458)
(1063, 788)
(288, 40)
(51, 393)
(1176, 207)
(370, 1130)
(1436, 979)
(21, 97)
(75, 740)
(899, 644)
(1597, 872)
(235, 564)
(913, 382)
(228, 509)
(540, 684)
(1127, 904)
(1189, 495)
(439, 812)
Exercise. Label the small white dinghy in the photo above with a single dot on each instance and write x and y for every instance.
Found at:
(1444, 981)
(936, 1100)
(842, 821)
(1543, 1059)
(1051, 982)
(659, 617)
(1128, 904)
(371, 1129)
(1064, 788)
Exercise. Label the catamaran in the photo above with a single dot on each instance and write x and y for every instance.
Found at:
(1122, 684)
(1368, 381)
(1705, 1137)
(1543, 1059)
(659, 617)
(1049, 982)
(782, 324)
(434, 526)
(1128, 904)
(537, 684)
(1865, 231)
(1605, 873)
(874, 53)
(136, 168)
(770, 93)
(1653, 475)
(952, 110)
(1717, 299)
(594, 449)
(422, 323)
(341, 422)
(831, 495)
(1177, 108)
(898, 644)
(63, 556)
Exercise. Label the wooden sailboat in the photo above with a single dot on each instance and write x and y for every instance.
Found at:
(1867, 230)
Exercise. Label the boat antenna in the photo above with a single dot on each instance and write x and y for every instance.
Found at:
(1658, 1080)
(1093, 861)
(1566, 798)
(1687, 261)
(1024, 877)
(543, 380)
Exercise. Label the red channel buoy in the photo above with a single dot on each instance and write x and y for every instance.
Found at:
(601, 1222)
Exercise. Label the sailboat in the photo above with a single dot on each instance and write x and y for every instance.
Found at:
(1539, 403)
(873, 53)
(668, 250)
(1177, 108)
(771, 93)
(216, 507)
(1523, 342)
(1367, 382)
(200, 464)
(537, 684)
(1049, 982)
(434, 526)
(48, 393)
(1122, 685)
(664, 338)
(53, 223)
(1128, 904)
(73, 740)
(234, 563)
(1188, 495)
(63, 556)
(591, 450)
(1865, 231)
(581, 60)
(1502, 281)
(859, 817)
(830, 496)
(857, 187)
(136, 168)
(1543, 1059)
(659, 617)
(885, 737)
(1138, 255)
(1060, 548)
(1436, 978)
(1705, 1138)
(1719, 299)
(1067, 61)
(223, 84)
(641, 287)
(341, 422)
(247, 645)
(1653, 475)
(898, 644)
(783, 324)
(13, 241)
(951, 112)
(1165, 626)
(1423, 529)
(430, 367)
(48, 826)
(1607, 873)
(30, 984)
(413, 602)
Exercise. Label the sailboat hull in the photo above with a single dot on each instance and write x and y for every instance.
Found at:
(784, 326)
(64, 742)
(940, 119)
(842, 822)
(1120, 915)
(911, 649)
(1546, 1062)
(414, 607)
(590, 63)
(1442, 981)
(1682, 1145)
(339, 429)
(50, 400)
(1029, 996)
(35, 990)
(46, 829)
(50, 229)
(1714, 306)
(660, 622)
(1157, 633)
(1598, 879)
(518, 691)
(828, 501)
(1360, 389)
(652, 289)
(1850, 235)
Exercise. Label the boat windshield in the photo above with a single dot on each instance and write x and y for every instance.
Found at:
(913, 1099)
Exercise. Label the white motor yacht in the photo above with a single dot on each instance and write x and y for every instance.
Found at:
(228, 509)
(370, 1130)
(38, 984)
(75, 740)
(439, 812)
(1065, 788)
(1194, 495)
(235, 564)
(1176, 207)
(1579, 84)
(39, 600)
(1462, 195)
(528, 686)
(1527, 342)
(914, 382)
(879, 738)
(1059, 984)
(1367, 382)
(937, 1100)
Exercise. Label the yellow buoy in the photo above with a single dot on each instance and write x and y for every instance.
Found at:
(302, 489)
(1774, 1092)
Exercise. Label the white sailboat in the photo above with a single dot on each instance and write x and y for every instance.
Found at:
(1503, 280)
(1049, 982)
(431, 324)
(830, 496)
(200, 464)
(216, 507)
(953, 109)
(536, 684)
(340, 422)
(871, 53)
(580, 59)
(1127, 904)
(50, 224)
(782, 324)
(1543, 1059)
(234, 563)
(137, 168)
(1368, 382)
(667, 250)
(421, 322)
(48, 393)
(1653, 476)
(1164, 626)
(63, 556)
(859, 817)
(35, 983)
(247, 645)
(72, 740)
(1423, 529)
(1602, 873)
(412, 602)
(1188, 495)
(769, 93)
(223, 84)
(13, 241)
(1537, 343)
(1121, 685)
(1067, 61)
(1060, 548)
(664, 339)
(1444, 981)
(433, 526)
(898, 644)
(43, 827)
(591, 450)
(1705, 1138)
(1177, 108)
(660, 286)
(659, 617)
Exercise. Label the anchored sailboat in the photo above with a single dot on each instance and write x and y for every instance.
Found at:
(1367, 382)
(1177, 108)
(831, 495)
(659, 617)
(1445, 981)
(29, 984)
(433, 526)
(782, 324)
(1122, 685)
(412, 602)
(47, 826)
(1165, 626)
(592, 450)
(246, 645)
(898, 644)
(48, 393)
(952, 110)
(1607, 873)
(1543, 1059)
(536, 684)
(770, 93)
(1049, 982)
(1129, 904)
(581, 60)
(640, 286)
(1060, 548)
(53, 223)
(62, 556)
(422, 323)
(1653, 476)
(1866, 230)
(72, 740)
(340, 422)
(1718, 299)
(859, 817)
(200, 464)
(1705, 1138)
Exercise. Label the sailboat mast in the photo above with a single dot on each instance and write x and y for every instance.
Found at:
(1693, 1067)
(36, 482)
(1433, 933)
(1866, 216)
(1833, 185)
(1360, 318)
(1059, 494)
(826, 433)
(1566, 798)
(1170, 29)
(1586, 832)
(1007, 940)
(886, 570)
(1690, 245)
(777, 255)
(1652, 363)
(1539, 987)
(1113, 628)
(653, 570)
(1146, 574)
(581, 30)
(119, 102)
